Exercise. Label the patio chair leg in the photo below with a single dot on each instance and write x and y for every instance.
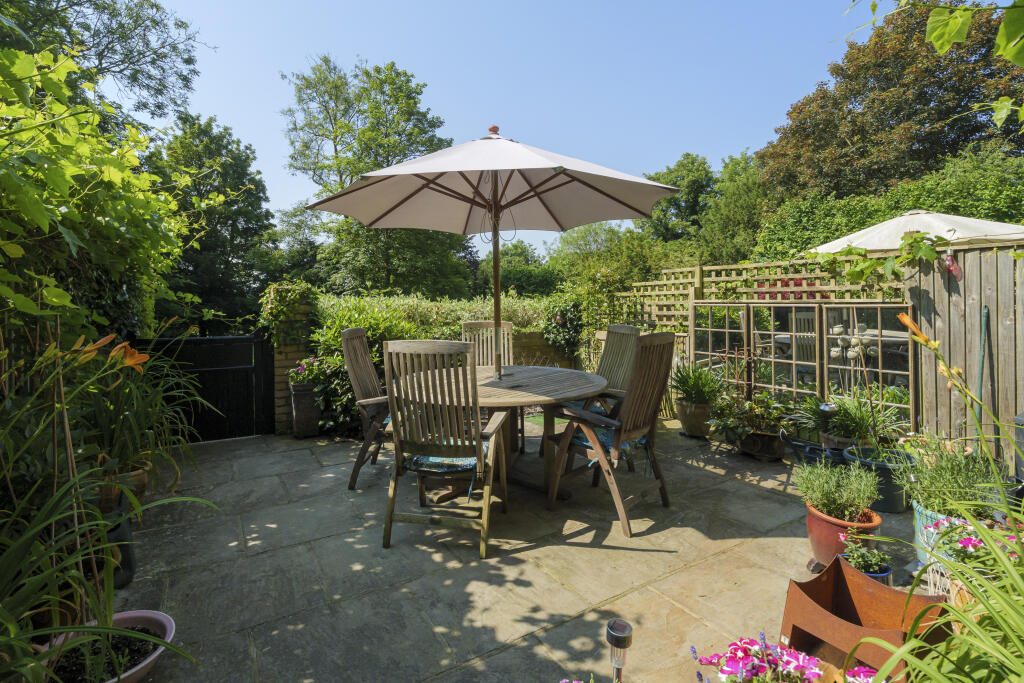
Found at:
(504, 482)
(376, 452)
(361, 458)
(556, 467)
(596, 479)
(609, 477)
(389, 515)
(485, 514)
(421, 485)
(656, 466)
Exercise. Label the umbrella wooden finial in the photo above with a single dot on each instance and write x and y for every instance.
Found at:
(493, 130)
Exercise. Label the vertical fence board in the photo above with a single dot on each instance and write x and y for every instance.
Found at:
(940, 292)
(956, 350)
(990, 298)
(971, 264)
(1006, 357)
(929, 395)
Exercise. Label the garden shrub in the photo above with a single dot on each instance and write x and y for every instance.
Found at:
(563, 325)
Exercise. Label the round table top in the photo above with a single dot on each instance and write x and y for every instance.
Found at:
(533, 385)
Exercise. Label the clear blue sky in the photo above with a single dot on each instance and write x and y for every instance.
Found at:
(630, 85)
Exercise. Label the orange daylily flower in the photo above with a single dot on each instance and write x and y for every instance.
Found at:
(117, 349)
(98, 344)
(134, 359)
(912, 326)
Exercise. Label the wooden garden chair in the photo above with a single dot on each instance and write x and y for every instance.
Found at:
(437, 430)
(633, 421)
(370, 397)
(617, 363)
(480, 333)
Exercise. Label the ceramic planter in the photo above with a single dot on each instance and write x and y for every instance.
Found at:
(891, 496)
(925, 538)
(763, 446)
(693, 417)
(305, 411)
(159, 623)
(823, 532)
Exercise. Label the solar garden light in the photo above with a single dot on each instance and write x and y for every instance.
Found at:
(619, 635)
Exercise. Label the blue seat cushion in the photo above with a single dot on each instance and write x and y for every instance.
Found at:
(442, 465)
(604, 436)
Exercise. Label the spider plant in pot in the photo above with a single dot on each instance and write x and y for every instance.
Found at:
(940, 472)
(695, 388)
(837, 500)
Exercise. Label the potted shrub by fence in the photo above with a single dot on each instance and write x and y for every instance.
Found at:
(765, 415)
(728, 421)
(862, 553)
(859, 417)
(696, 388)
(302, 381)
(941, 476)
(838, 500)
(886, 463)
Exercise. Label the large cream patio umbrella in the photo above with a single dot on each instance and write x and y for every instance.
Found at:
(961, 231)
(494, 184)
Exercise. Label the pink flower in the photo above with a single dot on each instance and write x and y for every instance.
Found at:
(1011, 538)
(861, 674)
(970, 543)
(842, 537)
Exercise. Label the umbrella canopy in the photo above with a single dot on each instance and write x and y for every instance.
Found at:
(959, 230)
(493, 184)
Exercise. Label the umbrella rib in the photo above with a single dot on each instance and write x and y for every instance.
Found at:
(504, 189)
(347, 191)
(475, 188)
(399, 203)
(542, 202)
(536, 194)
(533, 189)
(609, 196)
(432, 184)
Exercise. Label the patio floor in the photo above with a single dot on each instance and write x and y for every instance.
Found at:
(287, 581)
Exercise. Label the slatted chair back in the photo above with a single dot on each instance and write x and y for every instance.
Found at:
(361, 373)
(431, 387)
(618, 358)
(480, 333)
(803, 342)
(639, 408)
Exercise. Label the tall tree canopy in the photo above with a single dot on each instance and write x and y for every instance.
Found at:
(344, 124)
(732, 219)
(221, 264)
(678, 216)
(522, 268)
(894, 110)
(144, 50)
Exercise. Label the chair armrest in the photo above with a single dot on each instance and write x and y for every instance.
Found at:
(580, 415)
(613, 393)
(371, 402)
(495, 424)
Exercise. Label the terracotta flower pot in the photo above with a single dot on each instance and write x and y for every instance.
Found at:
(693, 417)
(823, 531)
(305, 411)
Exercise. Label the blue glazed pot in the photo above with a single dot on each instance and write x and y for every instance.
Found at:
(925, 538)
(891, 497)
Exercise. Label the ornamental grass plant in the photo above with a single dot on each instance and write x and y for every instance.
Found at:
(696, 384)
(839, 492)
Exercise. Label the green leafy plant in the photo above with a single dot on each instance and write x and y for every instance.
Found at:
(945, 472)
(862, 552)
(728, 421)
(284, 309)
(859, 415)
(696, 384)
(839, 492)
(765, 413)
(563, 326)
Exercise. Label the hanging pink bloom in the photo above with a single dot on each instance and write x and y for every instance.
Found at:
(971, 543)
(861, 674)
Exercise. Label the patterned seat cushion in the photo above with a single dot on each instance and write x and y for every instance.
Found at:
(442, 465)
(596, 408)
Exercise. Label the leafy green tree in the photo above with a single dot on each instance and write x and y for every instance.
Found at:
(678, 216)
(83, 230)
(733, 216)
(220, 265)
(894, 110)
(522, 268)
(144, 50)
(987, 183)
(344, 124)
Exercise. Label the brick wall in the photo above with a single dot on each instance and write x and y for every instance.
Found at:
(291, 348)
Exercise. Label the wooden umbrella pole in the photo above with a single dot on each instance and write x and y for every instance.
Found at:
(496, 271)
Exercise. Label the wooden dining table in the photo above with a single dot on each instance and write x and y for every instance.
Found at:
(522, 386)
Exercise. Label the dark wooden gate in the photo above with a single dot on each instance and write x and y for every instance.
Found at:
(236, 376)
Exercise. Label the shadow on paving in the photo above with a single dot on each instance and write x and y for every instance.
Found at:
(288, 580)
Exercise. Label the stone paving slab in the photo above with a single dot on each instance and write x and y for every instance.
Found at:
(288, 581)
